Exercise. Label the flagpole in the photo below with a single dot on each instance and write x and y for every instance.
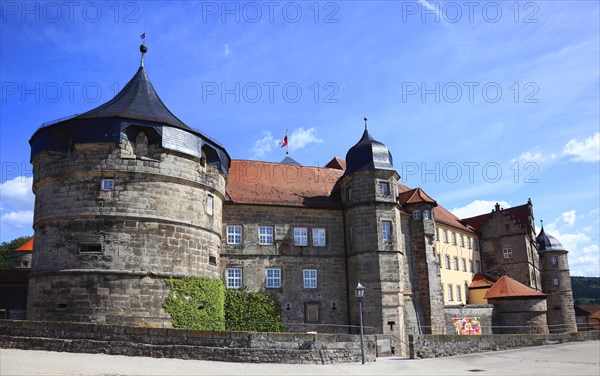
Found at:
(287, 144)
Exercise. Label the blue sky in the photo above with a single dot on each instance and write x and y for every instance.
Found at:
(478, 102)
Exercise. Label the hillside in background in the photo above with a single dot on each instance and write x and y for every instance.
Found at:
(586, 290)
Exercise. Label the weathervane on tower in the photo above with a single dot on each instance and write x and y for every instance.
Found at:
(143, 48)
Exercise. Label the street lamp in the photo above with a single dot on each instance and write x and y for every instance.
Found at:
(359, 291)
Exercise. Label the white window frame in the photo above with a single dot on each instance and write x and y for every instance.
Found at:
(210, 203)
(234, 234)
(107, 184)
(234, 278)
(464, 264)
(554, 261)
(450, 292)
(273, 278)
(426, 214)
(447, 260)
(471, 266)
(309, 278)
(507, 253)
(265, 235)
(453, 238)
(301, 236)
(458, 293)
(469, 242)
(386, 231)
(462, 240)
(319, 237)
(416, 214)
(384, 188)
(445, 235)
(556, 282)
(455, 261)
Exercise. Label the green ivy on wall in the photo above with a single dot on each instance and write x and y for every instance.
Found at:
(247, 311)
(200, 303)
(196, 303)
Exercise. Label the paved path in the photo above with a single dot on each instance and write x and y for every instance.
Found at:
(581, 358)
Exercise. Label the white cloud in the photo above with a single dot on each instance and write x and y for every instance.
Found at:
(584, 258)
(264, 145)
(17, 219)
(530, 157)
(301, 137)
(477, 207)
(566, 220)
(226, 49)
(16, 193)
(587, 150)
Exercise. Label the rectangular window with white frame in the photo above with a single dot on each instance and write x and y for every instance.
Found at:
(445, 235)
(471, 266)
(462, 240)
(386, 231)
(450, 292)
(426, 214)
(447, 259)
(455, 263)
(458, 293)
(107, 184)
(319, 237)
(416, 214)
(464, 265)
(210, 202)
(453, 238)
(300, 236)
(507, 253)
(554, 261)
(273, 278)
(234, 278)
(265, 235)
(468, 242)
(384, 188)
(234, 234)
(310, 278)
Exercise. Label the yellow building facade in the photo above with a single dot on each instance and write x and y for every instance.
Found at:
(459, 258)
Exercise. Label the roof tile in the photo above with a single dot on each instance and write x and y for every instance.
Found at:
(507, 287)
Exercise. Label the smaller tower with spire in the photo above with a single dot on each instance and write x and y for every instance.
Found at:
(556, 283)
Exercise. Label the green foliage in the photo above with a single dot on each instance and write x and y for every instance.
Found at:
(248, 311)
(6, 247)
(196, 303)
(586, 290)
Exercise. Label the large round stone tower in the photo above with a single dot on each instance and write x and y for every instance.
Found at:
(126, 196)
(556, 282)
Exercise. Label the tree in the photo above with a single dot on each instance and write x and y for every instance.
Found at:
(7, 247)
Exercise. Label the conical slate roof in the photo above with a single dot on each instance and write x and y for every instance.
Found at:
(368, 154)
(548, 243)
(138, 100)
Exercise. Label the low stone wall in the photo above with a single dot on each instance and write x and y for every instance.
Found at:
(433, 346)
(185, 343)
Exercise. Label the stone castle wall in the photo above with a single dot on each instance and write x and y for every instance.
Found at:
(96, 247)
(329, 261)
(561, 312)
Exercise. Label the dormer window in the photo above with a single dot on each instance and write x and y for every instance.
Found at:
(426, 214)
(416, 214)
(384, 188)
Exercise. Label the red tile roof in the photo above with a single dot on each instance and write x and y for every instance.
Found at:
(414, 196)
(481, 281)
(595, 315)
(507, 287)
(27, 246)
(337, 163)
(519, 213)
(266, 183)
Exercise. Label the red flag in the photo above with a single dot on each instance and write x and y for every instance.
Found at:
(284, 143)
